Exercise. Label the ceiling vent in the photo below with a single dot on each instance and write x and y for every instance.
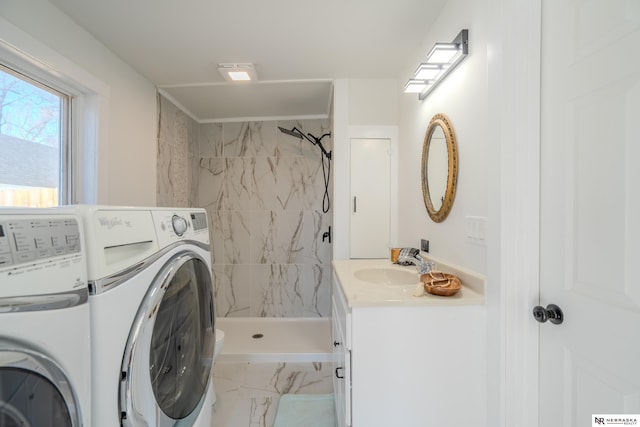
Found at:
(238, 72)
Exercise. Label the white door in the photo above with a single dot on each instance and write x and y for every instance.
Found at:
(370, 198)
(590, 210)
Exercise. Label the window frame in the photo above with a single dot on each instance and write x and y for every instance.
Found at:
(88, 110)
(65, 167)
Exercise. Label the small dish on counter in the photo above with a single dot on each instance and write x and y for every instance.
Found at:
(439, 283)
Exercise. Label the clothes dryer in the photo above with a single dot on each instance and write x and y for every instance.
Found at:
(152, 316)
(45, 372)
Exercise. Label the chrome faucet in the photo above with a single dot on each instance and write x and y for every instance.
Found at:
(423, 265)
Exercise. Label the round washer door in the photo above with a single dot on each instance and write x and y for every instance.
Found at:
(167, 363)
(34, 391)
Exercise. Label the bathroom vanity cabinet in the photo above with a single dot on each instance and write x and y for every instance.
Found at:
(342, 356)
(404, 360)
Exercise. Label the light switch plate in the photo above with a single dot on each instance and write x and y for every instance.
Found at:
(476, 230)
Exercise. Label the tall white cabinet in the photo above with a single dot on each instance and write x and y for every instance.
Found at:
(410, 362)
(370, 197)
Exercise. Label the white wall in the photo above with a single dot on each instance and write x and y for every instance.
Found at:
(373, 102)
(362, 108)
(463, 97)
(127, 146)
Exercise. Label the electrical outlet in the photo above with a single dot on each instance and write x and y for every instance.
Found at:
(424, 245)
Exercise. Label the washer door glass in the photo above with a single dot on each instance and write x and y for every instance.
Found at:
(29, 399)
(182, 342)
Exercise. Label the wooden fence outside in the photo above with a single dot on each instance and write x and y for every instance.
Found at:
(31, 198)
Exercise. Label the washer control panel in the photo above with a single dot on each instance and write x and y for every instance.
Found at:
(40, 254)
(33, 240)
(180, 224)
(199, 220)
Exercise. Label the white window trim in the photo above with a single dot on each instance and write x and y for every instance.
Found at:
(89, 108)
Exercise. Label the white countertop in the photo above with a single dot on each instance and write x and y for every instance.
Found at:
(360, 293)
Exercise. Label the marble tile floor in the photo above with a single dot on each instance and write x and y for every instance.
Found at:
(248, 392)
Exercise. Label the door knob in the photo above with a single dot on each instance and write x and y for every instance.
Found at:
(552, 313)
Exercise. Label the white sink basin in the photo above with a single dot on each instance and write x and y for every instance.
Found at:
(387, 276)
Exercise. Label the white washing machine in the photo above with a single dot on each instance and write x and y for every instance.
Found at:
(45, 372)
(152, 316)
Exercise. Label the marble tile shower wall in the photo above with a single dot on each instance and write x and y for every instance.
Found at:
(177, 157)
(263, 191)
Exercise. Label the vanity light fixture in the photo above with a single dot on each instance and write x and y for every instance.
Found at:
(238, 72)
(428, 71)
(443, 53)
(416, 86)
(441, 60)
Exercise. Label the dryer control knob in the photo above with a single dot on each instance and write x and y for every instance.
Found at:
(179, 224)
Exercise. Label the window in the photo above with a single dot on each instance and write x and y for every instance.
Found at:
(34, 142)
(83, 124)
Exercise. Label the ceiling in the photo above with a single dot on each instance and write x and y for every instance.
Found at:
(298, 48)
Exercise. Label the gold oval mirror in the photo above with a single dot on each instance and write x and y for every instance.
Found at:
(439, 167)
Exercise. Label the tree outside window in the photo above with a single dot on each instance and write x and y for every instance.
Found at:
(32, 136)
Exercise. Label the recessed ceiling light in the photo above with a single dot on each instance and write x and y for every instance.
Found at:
(234, 72)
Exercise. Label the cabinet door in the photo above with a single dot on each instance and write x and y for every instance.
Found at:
(370, 198)
(338, 369)
(342, 358)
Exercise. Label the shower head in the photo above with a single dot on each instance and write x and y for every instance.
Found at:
(293, 132)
